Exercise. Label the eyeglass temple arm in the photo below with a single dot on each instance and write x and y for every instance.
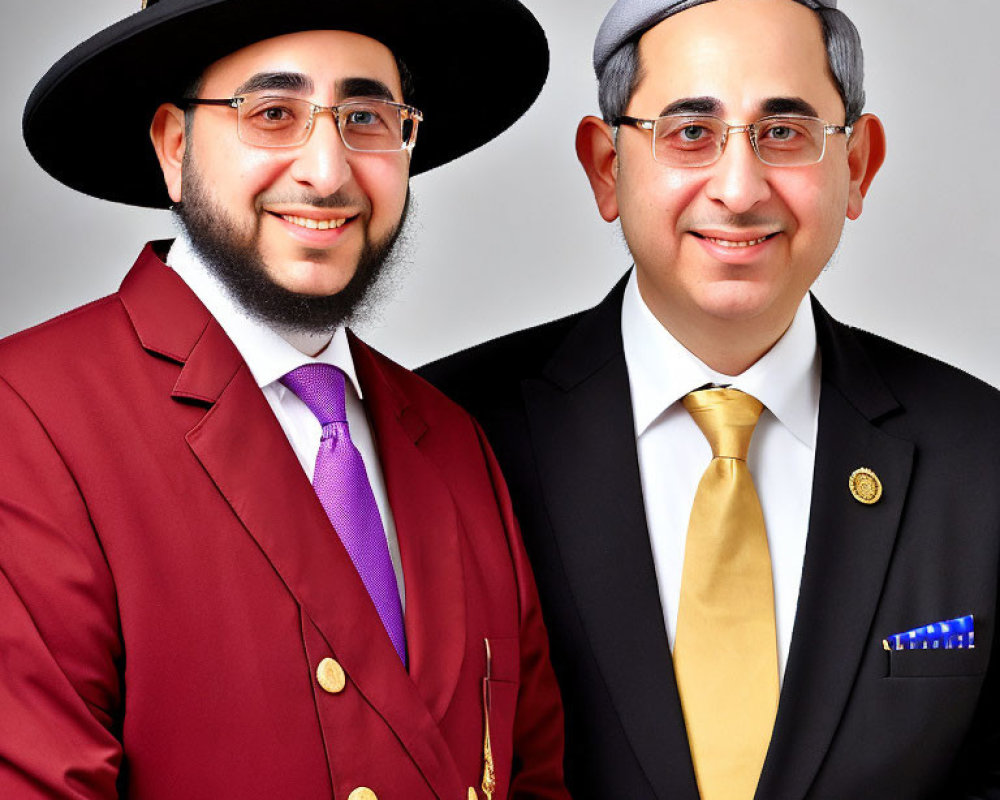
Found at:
(645, 124)
(232, 102)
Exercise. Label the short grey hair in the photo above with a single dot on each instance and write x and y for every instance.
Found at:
(622, 71)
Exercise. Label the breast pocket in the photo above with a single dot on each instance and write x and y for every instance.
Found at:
(968, 662)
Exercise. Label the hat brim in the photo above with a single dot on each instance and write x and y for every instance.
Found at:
(476, 67)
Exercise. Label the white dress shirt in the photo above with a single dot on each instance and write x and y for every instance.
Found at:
(269, 356)
(673, 452)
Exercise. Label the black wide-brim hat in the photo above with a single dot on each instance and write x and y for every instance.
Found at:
(477, 66)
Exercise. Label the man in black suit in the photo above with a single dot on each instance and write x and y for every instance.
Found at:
(733, 147)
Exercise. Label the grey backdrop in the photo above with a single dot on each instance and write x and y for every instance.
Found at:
(509, 236)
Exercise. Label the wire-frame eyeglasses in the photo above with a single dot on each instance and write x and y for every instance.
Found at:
(698, 140)
(365, 125)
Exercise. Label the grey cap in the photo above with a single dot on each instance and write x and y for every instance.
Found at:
(627, 18)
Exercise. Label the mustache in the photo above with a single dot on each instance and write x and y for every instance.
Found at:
(339, 199)
(748, 220)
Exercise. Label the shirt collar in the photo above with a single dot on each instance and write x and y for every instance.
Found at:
(266, 352)
(661, 370)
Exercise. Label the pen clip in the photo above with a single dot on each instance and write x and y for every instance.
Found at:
(489, 772)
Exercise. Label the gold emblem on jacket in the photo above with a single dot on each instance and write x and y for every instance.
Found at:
(865, 486)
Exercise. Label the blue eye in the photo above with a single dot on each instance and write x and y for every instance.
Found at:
(362, 118)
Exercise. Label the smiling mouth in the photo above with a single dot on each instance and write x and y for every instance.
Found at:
(735, 243)
(314, 224)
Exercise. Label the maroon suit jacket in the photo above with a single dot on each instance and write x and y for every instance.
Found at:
(169, 581)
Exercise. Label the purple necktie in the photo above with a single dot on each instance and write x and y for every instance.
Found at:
(341, 483)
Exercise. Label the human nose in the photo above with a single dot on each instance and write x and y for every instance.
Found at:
(739, 177)
(321, 161)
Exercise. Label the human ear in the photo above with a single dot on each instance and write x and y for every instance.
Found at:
(595, 147)
(169, 140)
(865, 154)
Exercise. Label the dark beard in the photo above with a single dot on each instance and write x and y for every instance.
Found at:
(237, 263)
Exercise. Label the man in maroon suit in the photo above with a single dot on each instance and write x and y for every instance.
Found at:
(182, 614)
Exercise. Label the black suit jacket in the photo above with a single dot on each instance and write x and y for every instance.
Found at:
(854, 721)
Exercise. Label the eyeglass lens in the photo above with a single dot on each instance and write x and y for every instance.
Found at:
(694, 141)
(366, 125)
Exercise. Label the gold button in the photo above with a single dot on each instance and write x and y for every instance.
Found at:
(362, 793)
(332, 679)
(865, 486)
(472, 794)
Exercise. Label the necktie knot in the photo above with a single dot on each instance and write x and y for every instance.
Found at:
(321, 388)
(727, 417)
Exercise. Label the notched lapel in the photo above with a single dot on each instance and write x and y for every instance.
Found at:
(583, 436)
(211, 366)
(848, 551)
(168, 318)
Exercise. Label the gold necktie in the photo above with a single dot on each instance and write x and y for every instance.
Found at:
(725, 650)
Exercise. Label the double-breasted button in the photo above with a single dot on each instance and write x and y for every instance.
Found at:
(331, 678)
(362, 793)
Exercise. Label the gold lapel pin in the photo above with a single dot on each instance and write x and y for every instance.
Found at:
(865, 486)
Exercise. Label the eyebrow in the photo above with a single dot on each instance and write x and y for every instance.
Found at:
(302, 84)
(711, 105)
(364, 87)
(693, 105)
(788, 105)
(268, 81)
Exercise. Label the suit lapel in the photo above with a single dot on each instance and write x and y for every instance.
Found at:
(580, 422)
(277, 506)
(847, 556)
(428, 529)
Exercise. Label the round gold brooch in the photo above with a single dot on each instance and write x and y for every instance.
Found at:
(865, 486)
